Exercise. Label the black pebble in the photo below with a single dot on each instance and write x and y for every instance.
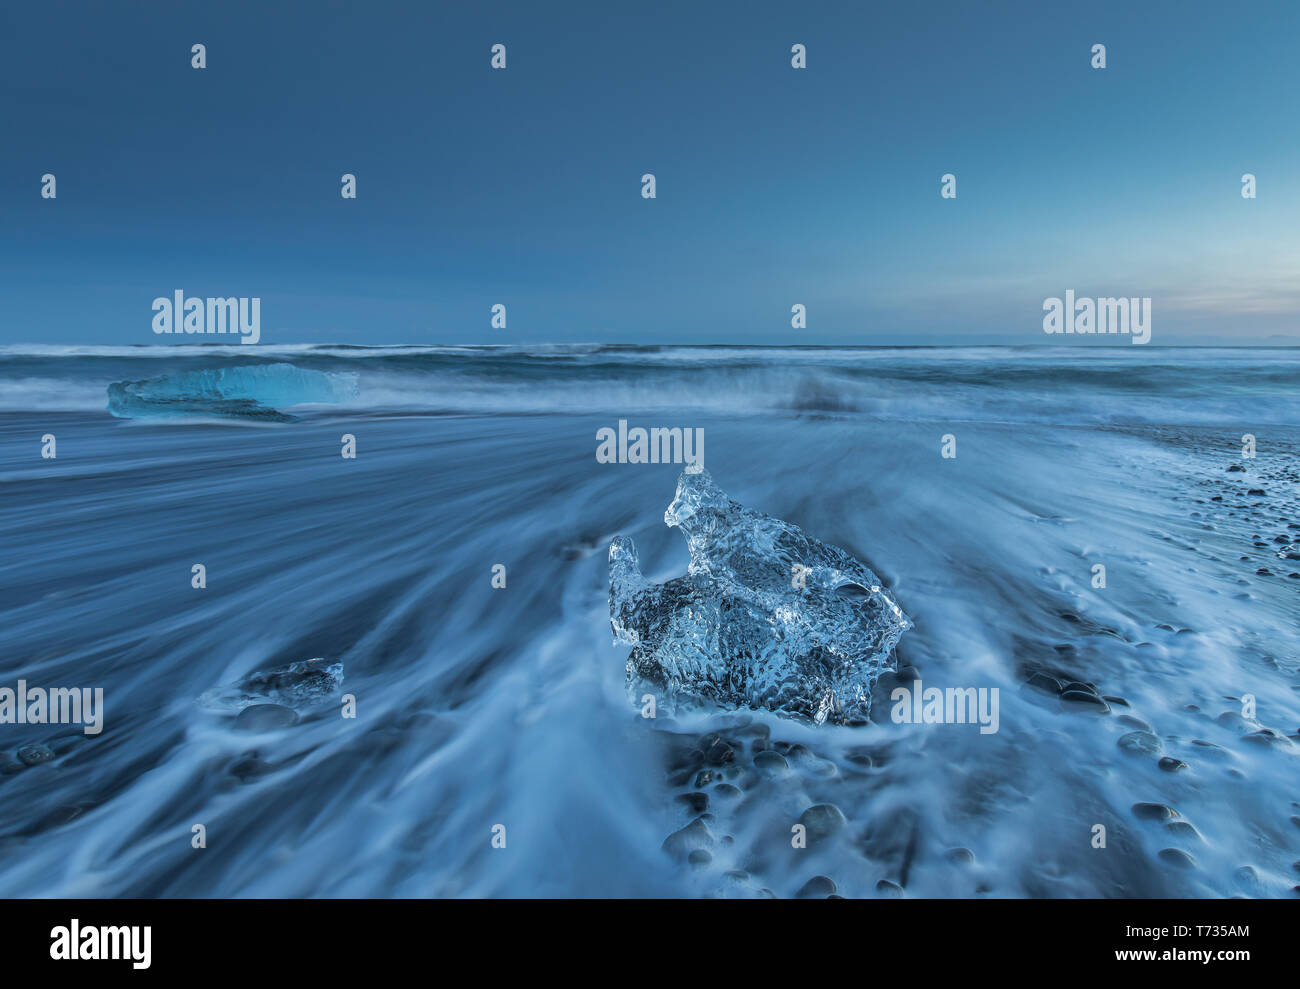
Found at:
(719, 753)
(265, 717)
(1082, 698)
(1154, 812)
(817, 886)
(1042, 681)
(35, 754)
(697, 802)
(249, 766)
(1177, 857)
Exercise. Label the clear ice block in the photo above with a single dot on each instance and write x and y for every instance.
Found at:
(765, 617)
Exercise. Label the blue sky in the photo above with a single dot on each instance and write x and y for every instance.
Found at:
(775, 186)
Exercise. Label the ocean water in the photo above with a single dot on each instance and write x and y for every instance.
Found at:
(486, 712)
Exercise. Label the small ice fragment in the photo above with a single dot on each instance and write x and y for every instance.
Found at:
(297, 686)
(764, 617)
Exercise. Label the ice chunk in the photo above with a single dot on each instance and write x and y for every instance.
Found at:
(764, 617)
(299, 686)
(256, 392)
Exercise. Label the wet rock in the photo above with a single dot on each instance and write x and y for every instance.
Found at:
(1171, 765)
(771, 761)
(1183, 829)
(960, 856)
(1082, 700)
(725, 791)
(1153, 812)
(698, 803)
(821, 768)
(249, 766)
(699, 858)
(889, 889)
(719, 753)
(1177, 857)
(1233, 721)
(706, 776)
(738, 882)
(379, 742)
(823, 820)
(687, 759)
(1140, 743)
(1042, 681)
(1136, 723)
(695, 835)
(817, 887)
(265, 717)
(1267, 736)
(859, 756)
(1115, 700)
(1079, 685)
(35, 754)
(1209, 749)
